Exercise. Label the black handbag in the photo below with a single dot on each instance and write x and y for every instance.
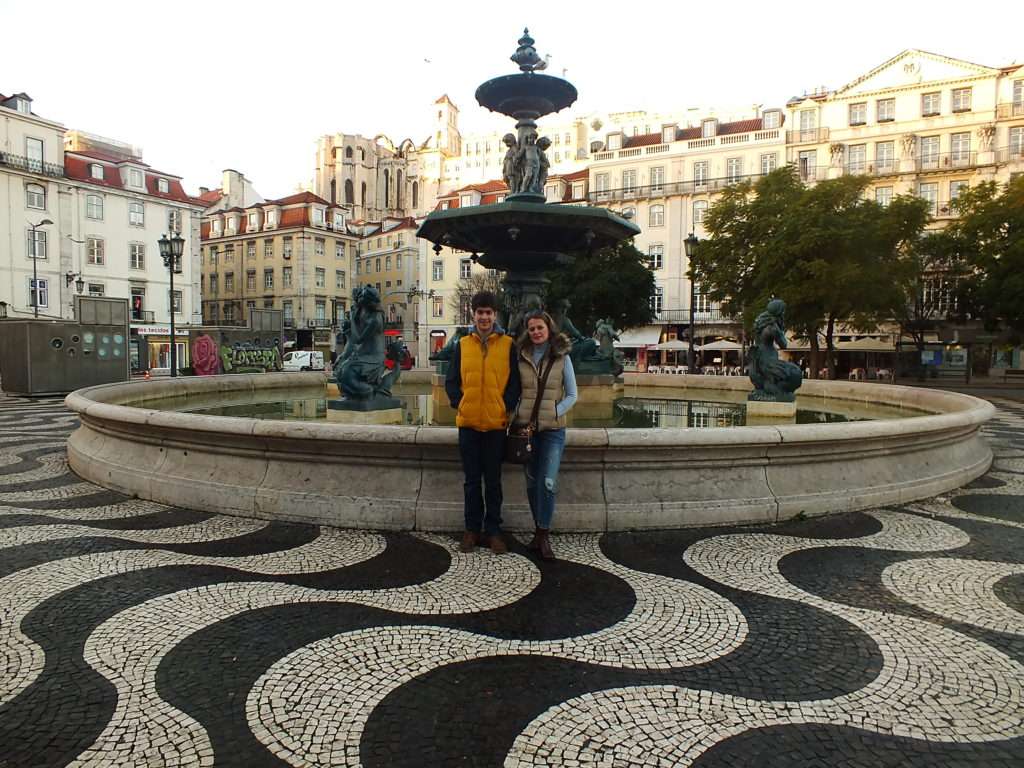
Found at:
(519, 440)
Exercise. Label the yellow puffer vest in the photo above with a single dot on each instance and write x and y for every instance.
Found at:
(485, 373)
(529, 377)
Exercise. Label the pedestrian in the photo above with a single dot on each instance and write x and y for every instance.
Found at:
(549, 391)
(483, 386)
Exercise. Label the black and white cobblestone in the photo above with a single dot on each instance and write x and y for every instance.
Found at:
(135, 634)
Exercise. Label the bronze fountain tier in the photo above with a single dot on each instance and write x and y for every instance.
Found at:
(525, 236)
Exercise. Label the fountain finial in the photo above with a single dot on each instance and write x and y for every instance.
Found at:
(526, 55)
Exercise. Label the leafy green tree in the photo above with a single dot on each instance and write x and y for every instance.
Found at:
(611, 282)
(830, 254)
(986, 246)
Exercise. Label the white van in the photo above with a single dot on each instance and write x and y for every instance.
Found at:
(303, 360)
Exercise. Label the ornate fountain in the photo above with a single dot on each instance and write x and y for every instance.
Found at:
(525, 236)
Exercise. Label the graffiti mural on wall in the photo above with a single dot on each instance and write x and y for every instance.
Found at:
(209, 358)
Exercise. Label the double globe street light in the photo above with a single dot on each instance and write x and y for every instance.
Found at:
(171, 249)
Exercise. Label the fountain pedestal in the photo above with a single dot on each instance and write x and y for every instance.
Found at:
(769, 409)
(383, 416)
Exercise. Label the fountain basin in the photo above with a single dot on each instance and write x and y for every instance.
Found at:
(410, 478)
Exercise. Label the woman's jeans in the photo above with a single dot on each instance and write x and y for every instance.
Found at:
(542, 475)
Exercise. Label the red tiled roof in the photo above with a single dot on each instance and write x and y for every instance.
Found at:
(76, 166)
(574, 176)
(211, 196)
(294, 217)
(643, 140)
(106, 157)
(300, 197)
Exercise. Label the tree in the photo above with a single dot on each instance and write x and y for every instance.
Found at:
(611, 282)
(830, 254)
(986, 243)
(458, 302)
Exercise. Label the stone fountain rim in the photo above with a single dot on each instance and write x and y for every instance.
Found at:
(410, 478)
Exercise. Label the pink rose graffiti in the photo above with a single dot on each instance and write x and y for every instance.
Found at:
(205, 361)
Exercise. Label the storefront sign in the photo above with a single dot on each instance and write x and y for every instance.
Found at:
(158, 330)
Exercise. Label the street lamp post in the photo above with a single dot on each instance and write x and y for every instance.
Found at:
(35, 273)
(690, 244)
(170, 251)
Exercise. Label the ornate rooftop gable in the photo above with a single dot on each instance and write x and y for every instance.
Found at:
(913, 67)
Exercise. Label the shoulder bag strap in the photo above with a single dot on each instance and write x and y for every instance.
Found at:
(540, 391)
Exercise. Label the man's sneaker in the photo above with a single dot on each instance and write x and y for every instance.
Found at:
(469, 539)
(498, 545)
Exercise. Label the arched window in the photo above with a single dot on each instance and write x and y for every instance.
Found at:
(350, 195)
(415, 194)
(35, 196)
(348, 153)
(364, 196)
(334, 190)
(398, 189)
(657, 216)
(387, 188)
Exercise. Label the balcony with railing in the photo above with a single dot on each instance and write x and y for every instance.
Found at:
(885, 167)
(710, 142)
(1009, 110)
(22, 163)
(807, 136)
(142, 316)
(694, 186)
(710, 316)
(946, 161)
(1010, 154)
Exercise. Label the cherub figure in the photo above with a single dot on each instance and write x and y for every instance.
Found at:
(510, 168)
(531, 155)
(542, 176)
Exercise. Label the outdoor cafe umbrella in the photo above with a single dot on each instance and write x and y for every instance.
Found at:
(721, 346)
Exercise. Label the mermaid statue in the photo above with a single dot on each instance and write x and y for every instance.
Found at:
(774, 380)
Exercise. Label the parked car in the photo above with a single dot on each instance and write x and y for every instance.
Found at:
(303, 360)
(406, 360)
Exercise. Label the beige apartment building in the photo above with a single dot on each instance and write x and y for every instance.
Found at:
(664, 182)
(292, 254)
(920, 124)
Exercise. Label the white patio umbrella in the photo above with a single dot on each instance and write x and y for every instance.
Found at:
(675, 345)
(721, 346)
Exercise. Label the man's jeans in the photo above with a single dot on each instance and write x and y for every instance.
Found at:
(482, 453)
(542, 475)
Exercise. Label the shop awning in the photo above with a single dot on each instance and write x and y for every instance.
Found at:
(644, 336)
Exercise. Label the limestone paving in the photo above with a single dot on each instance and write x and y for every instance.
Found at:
(133, 634)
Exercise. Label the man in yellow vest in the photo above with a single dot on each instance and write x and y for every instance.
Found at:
(483, 385)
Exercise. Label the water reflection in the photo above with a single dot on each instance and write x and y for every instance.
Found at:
(626, 413)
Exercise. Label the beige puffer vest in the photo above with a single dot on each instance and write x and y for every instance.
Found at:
(529, 375)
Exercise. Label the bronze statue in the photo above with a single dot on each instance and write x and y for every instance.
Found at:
(363, 378)
(774, 380)
(510, 169)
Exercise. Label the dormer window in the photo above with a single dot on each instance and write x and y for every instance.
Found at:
(339, 220)
(24, 106)
(232, 224)
(668, 134)
(771, 119)
(214, 227)
(318, 216)
(163, 186)
(708, 128)
(465, 201)
(96, 171)
(135, 177)
(614, 141)
(270, 219)
(252, 220)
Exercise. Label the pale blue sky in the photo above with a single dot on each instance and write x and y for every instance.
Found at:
(203, 86)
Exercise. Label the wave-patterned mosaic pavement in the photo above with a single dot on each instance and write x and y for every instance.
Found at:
(137, 634)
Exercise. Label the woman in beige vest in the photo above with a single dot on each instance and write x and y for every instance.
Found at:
(543, 349)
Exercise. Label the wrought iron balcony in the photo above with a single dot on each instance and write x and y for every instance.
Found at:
(1009, 110)
(23, 163)
(947, 160)
(700, 316)
(808, 136)
(1010, 154)
(694, 186)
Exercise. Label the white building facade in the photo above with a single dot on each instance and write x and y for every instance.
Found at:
(107, 211)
